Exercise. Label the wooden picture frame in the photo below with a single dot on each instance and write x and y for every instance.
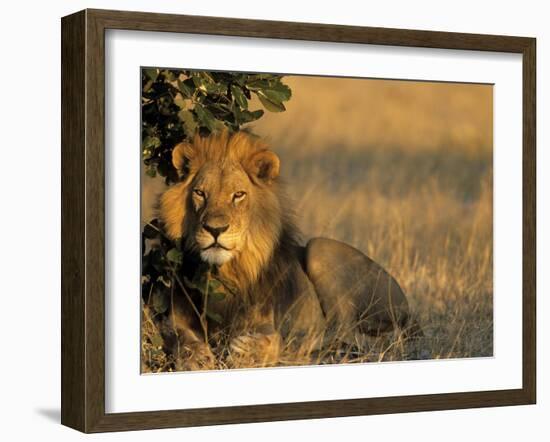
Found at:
(83, 220)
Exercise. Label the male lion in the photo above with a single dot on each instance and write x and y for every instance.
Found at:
(230, 212)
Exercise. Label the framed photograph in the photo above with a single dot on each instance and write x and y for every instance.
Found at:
(269, 220)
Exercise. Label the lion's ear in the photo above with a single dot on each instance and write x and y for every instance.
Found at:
(182, 154)
(264, 166)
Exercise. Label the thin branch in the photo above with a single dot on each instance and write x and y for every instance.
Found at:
(174, 320)
(204, 319)
(185, 292)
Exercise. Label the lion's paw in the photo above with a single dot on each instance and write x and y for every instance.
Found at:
(195, 356)
(256, 348)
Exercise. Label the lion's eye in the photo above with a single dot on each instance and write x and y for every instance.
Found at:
(239, 195)
(199, 193)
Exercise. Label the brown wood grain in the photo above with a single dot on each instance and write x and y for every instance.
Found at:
(83, 218)
(529, 221)
(73, 212)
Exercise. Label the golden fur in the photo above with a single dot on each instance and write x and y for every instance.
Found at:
(231, 161)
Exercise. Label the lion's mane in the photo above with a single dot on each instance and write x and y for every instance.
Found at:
(270, 244)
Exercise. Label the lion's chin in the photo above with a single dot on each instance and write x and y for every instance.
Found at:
(216, 256)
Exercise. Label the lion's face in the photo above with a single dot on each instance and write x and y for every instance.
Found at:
(220, 201)
(227, 207)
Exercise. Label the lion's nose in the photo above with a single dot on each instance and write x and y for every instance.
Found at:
(215, 231)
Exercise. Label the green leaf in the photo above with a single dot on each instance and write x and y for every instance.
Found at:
(217, 296)
(275, 94)
(169, 75)
(215, 316)
(239, 97)
(256, 85)
(206, 77)
(206, 83)
(213, 85)
(151, 142)
(174, 255)
(220, 110)
(199, 83)
(207, 119)
(240, 79)
(152, 74)
(147, 85)
(215, 88)
(188, 121)
(160, 301)
(149, 145)
(274, 89)
(213, 285)
(248, 116)
(186, 88)
(156, 340)
(269, 103)
(270, 77)
(229, 287)
(282, 89)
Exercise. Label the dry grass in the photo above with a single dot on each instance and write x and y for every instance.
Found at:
(402, 171)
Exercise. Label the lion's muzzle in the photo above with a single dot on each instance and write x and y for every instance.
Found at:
(215, 249)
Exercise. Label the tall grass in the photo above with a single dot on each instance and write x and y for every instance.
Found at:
(403, 172)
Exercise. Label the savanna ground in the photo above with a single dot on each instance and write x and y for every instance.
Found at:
(403, 172)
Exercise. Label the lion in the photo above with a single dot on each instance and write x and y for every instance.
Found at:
(230, 211)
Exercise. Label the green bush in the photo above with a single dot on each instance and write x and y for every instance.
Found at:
(175, 104)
